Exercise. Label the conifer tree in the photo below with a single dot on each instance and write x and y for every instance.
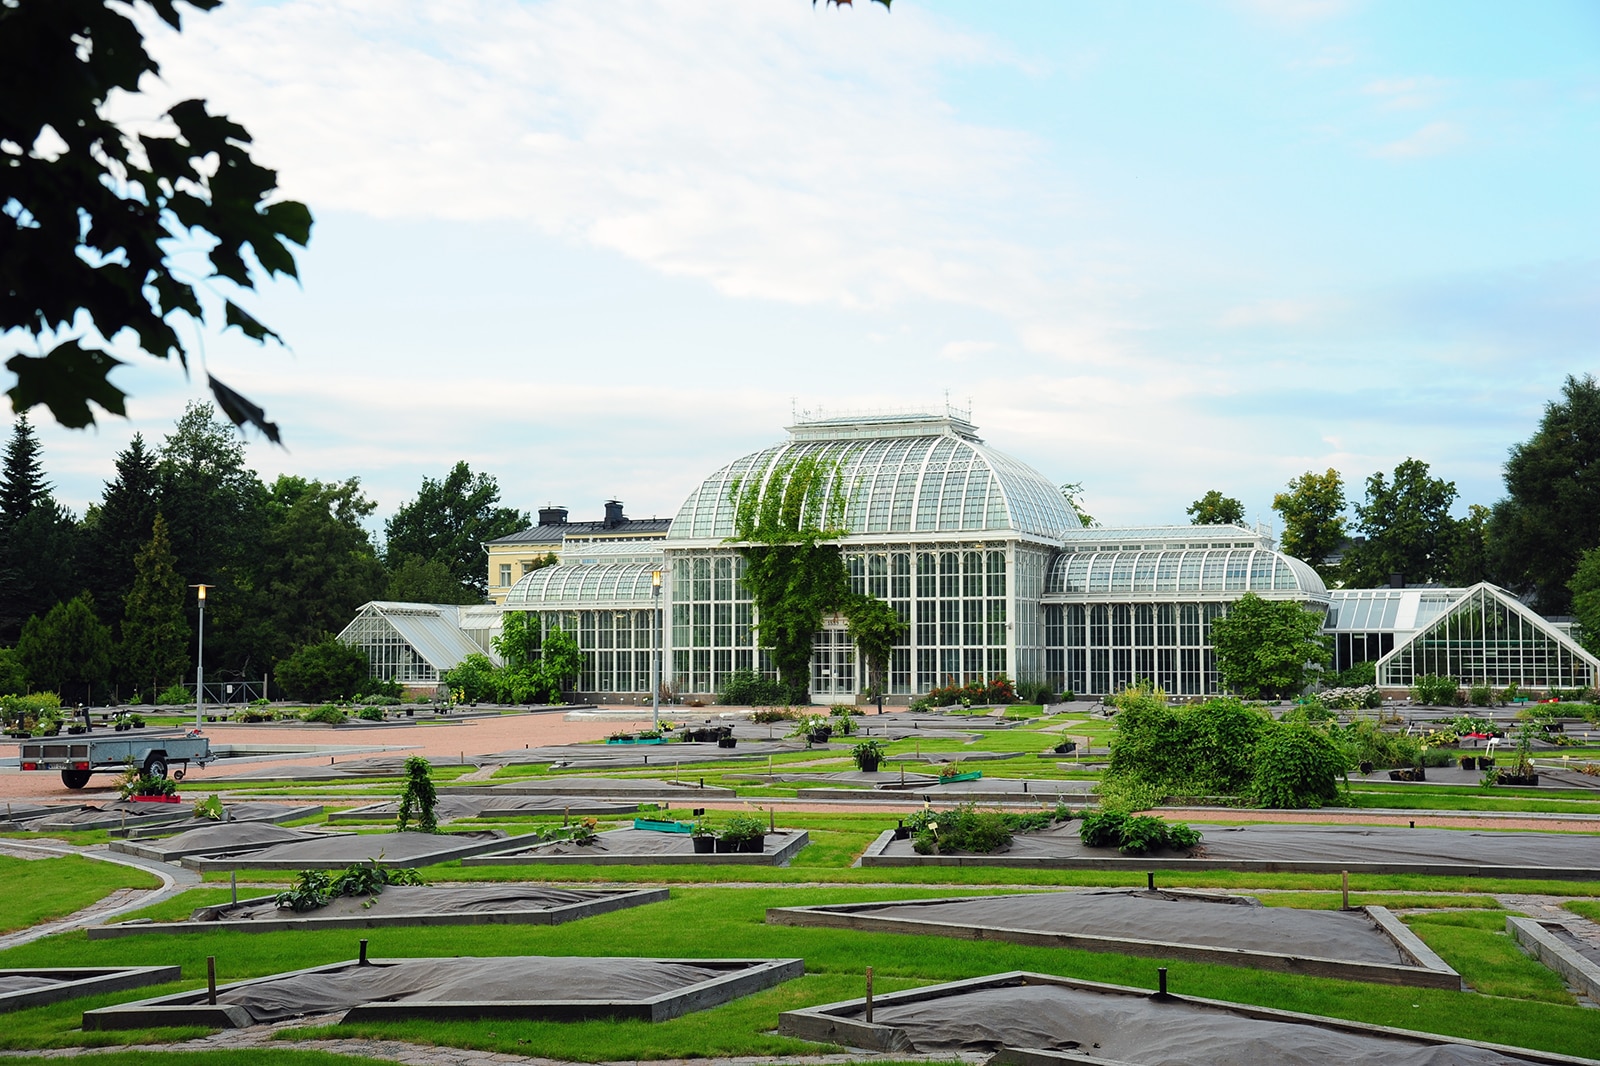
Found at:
(155, 634)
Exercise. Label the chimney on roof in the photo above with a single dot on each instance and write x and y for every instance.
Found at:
(614, 515)
(552, 516)
(1397, 581)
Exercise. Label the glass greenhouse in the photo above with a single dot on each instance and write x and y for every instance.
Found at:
(993, 574)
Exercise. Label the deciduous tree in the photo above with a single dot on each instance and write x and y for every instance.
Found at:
(1313, 518)
(1215, 509)
(93, 216)
(1265, 646)
(68, 650)
(449, 521)
(1584, 587)
(877, 628)
(1551, 513)
(1407, 526)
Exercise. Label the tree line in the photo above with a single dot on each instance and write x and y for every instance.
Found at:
(1541, 540)
(107, 599)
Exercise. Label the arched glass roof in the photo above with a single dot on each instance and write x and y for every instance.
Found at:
(928, 483)
(1191, 570)
(613, 585)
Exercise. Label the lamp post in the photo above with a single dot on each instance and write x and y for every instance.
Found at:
(655, 649)
(200, 659)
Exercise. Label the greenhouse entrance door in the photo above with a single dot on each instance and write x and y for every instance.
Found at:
(833, 666)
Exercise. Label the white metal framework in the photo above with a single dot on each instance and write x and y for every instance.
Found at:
(1488, 637)
(413, 643)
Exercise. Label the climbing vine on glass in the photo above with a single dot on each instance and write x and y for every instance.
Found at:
(786, 515)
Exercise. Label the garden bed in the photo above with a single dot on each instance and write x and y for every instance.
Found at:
(36, 987)
(1041, 1020)
(521, 987)
(335, 852)
(1368, 944)
(643, 847)
(1284, 848)
(449, 808)
(405, 905)
(264, 813)
(215, 838)
(1577, 961)
(638, 789)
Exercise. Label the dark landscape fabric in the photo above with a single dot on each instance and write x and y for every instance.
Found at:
(243, 835)
(23, 982)
(509, 979)
(404, 900)
(394, 849)
(108, 813)
(1589, 949)
(237, 812)
(638, 842)
(1227, 921)
(1335, 843)
(1137, 1030)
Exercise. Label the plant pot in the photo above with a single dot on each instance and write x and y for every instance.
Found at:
(1365, 768)
(869, 766)
(1485, 762)
(1066, 747)
(1408, 774)
(820, 736)
(1469, 762)
(705, 845)
(727, 847)
(1516, 779)
(902, 832)
(75, 730)
(753, 846)
(728, 742)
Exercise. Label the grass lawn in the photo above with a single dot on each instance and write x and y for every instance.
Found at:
(711, 921)
(41, 890)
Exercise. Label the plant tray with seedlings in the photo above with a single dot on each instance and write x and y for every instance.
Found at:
(636, 740)
(950, 779)
(657, 825)
(521, 987)
(156, 799)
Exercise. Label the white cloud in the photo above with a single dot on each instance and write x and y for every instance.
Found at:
(1436, 138)
(769, 150)
(960, 351)
(1406, 94)
(1269, 313)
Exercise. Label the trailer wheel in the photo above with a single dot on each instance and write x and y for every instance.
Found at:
(74, 778)
(156, 766)
(177, 775)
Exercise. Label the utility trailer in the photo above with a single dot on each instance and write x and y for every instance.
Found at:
(79, 756)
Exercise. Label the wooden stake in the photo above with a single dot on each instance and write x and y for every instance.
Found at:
(211, 980)
(869, 995)
(233, 884)
(1344, 876)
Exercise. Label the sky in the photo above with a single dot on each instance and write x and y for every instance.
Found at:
(600, 250)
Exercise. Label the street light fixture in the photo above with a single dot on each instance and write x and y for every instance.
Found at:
(200, 659)
(655, 649)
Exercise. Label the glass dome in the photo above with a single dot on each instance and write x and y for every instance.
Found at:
(912, 476)
(613, 585)
(1190, 570)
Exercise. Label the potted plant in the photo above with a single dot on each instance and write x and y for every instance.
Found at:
(868, 754)
(703, 837)
(1469, 762)
(141, 787)
(1521, 769)
(743, 833)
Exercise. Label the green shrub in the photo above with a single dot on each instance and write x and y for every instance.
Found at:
(374, 690)
(1297, 766)
(174, 695)
(1480, 695)
(370, 714)
(25, 712)
(966, 828)
(318, 888)
(769, 715)
(1358, 676)
(381, 701)
(742, 827)
(327, 670)
(1134, 834)
(1191, 751)
(1365, 741)
(1434, 691)
(418, 797)
(327, 714)
(472, 680)
(747, 688)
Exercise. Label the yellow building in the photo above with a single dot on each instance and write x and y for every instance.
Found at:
(614, 539)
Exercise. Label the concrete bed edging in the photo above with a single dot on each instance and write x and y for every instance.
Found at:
(1428, 971)
(830, 1023)
(744, 977)
(70, 982)
(245, 861)
(1550, 951)
(873, 856)
(781, 857)
(290, 814)
(570, 912)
